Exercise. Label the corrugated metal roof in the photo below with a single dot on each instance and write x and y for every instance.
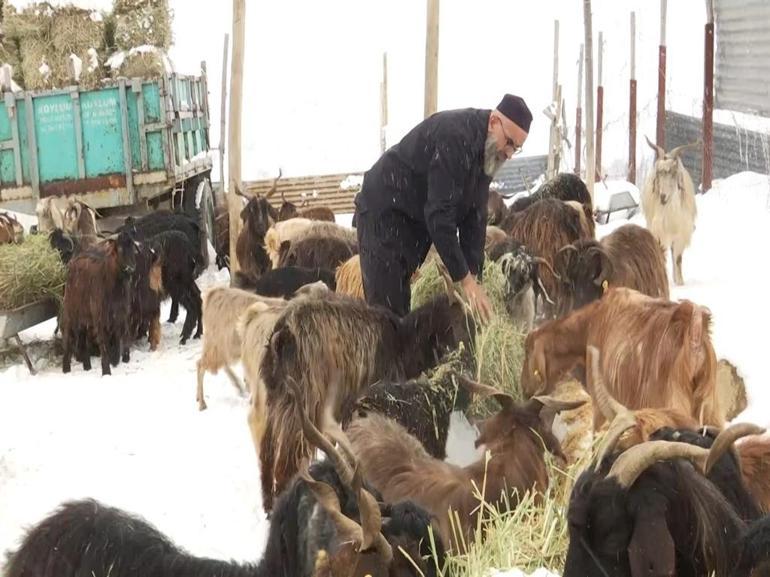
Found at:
(742, 59)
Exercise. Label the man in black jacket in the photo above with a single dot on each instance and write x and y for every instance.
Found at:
(425, 189)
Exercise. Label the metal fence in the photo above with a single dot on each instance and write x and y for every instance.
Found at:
(735, 149)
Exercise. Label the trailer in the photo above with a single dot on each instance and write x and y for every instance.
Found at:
(127, 147)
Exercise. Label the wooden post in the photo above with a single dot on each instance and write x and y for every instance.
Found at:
(384, 103)
(236, 99)
(708, 101)
(632, 106)
(599, 111)
(660, 135)
(590, 159)
(579, 113)
(222, 114)
(431, 59)
(554, 141)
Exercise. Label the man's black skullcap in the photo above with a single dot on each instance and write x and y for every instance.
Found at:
(515, 109)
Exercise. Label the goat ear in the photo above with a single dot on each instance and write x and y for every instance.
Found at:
(651, 550)
(486, 391)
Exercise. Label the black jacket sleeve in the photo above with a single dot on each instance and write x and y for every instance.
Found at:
(444, 194)
(473, 232)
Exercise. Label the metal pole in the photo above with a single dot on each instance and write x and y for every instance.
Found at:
(599, 111)
(579, 113)
(632, 106)
(590, 158)
(708, 102)
(661, 121)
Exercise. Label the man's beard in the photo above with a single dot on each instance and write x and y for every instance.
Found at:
(492, 160)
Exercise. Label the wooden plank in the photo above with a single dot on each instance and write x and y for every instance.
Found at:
(234, 145)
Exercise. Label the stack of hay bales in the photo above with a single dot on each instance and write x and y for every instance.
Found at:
(48, 38)
(142, 30)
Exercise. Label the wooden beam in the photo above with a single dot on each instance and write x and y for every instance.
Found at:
(222, 115)
(554, 142)
(632, 106)
(708, 100)
(579, 113)
(599, 110)
(384, 103)
(236, 100)
(431, 58)
(589, 124)
(660, 135)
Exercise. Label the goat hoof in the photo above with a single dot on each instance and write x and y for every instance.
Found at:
(183, 341)
(202, 406)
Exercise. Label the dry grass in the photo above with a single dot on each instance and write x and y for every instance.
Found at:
(29, 272)
(147, 24)
(142, 65)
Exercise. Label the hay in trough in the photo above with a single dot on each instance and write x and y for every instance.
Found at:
(29, 272)
(498, 348)
(145, 25)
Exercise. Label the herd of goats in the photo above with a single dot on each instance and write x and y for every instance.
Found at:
(672, 491)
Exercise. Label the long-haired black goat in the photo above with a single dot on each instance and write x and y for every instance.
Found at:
(649, 511)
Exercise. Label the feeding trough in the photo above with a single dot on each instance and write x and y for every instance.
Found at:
(12, 322)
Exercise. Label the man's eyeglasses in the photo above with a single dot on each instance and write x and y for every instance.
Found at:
(509, 141)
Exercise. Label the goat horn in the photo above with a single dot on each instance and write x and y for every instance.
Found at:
(506, 401)
(658, 150)
(371, 520)
(680, 149)
(274, 187)
(554, 404)
(636, 460)
(240, 192)
(544, 261)
(725, 440)
(608, 406)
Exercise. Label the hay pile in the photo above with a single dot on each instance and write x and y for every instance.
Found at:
(47, 36)
(30, 271)
(498, 348)
(142, 36)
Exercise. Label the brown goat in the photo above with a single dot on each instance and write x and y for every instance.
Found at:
(628, 257)
(496, 209)
(257, 216)
(221, 347)
(335, 347)
(544, 228)
(397, 465)
(80, 222)
(348, 278)
(316, 252)
(754, 454)
(655, 353)
(11, 231)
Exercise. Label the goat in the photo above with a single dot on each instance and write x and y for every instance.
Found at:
(281, 232)
(335, 347)
(11, 231)
(754, 454)
(146, 294)
(755, 549)
(221, 344)
(544, 228)
(494, 235)
(257, 217)
(316, 252)
(496, 209)
(655, 353)
(668, 204)
(397, 465)
(66, 245)
(290, 210)
(297, 230)
(564, 186)
(50, 213)
(97, 297)
(523, 285)
(628, 257)
(178, 266)
(648, 511)
(284, 282)
(80, 222)
(348, 278)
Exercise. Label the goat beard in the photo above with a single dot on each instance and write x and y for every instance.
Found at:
(493, 159)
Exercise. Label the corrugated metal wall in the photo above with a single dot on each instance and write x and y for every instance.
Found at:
(742, 59)
(517, 174)
(735, 149)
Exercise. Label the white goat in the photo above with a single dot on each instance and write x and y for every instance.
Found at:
(668, 203)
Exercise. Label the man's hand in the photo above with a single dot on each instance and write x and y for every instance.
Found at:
(477, 297)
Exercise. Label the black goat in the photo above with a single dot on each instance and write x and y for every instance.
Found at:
(563, 186)
(178, 264)
(649, 512)
(67, 246)
(316, 252)
(284, 282)
(755, 549)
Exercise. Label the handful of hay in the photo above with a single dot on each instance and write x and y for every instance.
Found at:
(498, 348)
(29, 272)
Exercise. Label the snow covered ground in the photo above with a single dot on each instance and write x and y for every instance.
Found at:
(136, 440)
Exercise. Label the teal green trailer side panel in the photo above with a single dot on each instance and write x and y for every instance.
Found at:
(133, 130)
(102, 132)
(155, 155)
(7, 164)
(21, 118)
(55, 133)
